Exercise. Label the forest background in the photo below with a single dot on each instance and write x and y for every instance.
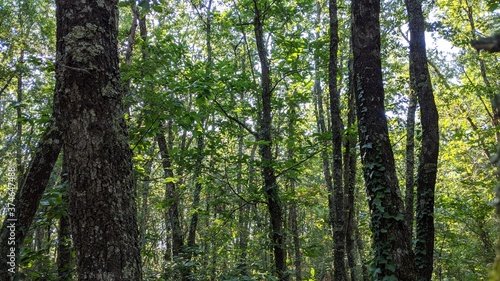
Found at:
(192, 75)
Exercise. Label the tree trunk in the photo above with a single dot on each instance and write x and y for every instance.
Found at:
(143, 217)
(27, 198)
(19, 123)
(265, 145)
(321, 125)
(297, 262)
(64, 258)
(89, 112)
(171, 195)
(200, 138)
(393, 256)
(427, 168)
(338, 219)
(292, 180)
(242, 213)
(171, 198)
(350, 184)
(410, 163)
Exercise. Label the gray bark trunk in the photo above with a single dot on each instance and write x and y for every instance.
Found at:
(89, 112)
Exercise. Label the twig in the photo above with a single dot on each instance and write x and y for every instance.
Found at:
(6, 85)
(298, 163)
(243, 125)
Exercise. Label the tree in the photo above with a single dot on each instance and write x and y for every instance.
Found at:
(338, 218)
(270, 186)
(193, 102)
(492, 44)
(420, 83)
(89, 113)
(393, 256)
(64, 250)
(28, 197)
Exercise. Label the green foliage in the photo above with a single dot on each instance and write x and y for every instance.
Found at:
(176, 84)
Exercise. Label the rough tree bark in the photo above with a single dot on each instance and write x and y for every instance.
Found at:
(420, 83)
(393, 256)
(88, 109)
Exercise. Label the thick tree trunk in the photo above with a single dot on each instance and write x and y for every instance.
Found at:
(28, 197)
(89, 113)
(393, 256)
(264, 136)
(427, 168)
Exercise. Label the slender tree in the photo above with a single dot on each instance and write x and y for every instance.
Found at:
(292, 184)
(28, 196)
(393, 256)
(171, 196)
(338, 218)
(19, 122)
(491, 44)
(64, 257)
(410, 162)
(350, 157)
(200, 138)
(265, 147)
(427, 167)
(89, 113)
